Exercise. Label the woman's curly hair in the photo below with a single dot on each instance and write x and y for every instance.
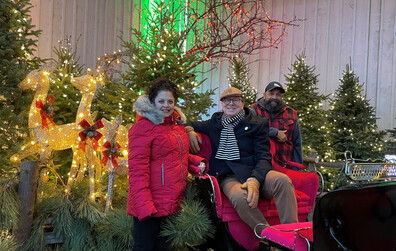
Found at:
(162, 84)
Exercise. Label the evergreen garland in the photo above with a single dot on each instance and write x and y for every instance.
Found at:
(240, 79)
(302, 95)
(352, 121)
(17, 44)
(159, 52)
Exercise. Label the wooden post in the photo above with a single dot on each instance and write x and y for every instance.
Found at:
(28, 178)
(314, 155)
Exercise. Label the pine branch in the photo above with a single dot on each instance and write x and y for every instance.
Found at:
(8, 243)
(191, 226)
(118, 227)
(88, 210)
(9, 207)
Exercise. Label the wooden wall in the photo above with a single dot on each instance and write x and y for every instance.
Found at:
(335, 33)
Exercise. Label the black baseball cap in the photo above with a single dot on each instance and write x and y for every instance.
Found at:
(273, 85)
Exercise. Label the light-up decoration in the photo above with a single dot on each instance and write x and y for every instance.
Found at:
(61, 137)
(44, 140)
(116, 144)
(212, 29)
(86, 160)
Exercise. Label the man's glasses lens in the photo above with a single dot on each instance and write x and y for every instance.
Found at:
(233, 100)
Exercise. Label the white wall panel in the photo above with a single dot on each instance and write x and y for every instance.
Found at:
(335, 33)
(386, 64)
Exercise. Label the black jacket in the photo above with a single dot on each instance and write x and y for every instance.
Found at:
(254, 146)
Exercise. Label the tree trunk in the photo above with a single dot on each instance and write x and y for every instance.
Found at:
(28, 178)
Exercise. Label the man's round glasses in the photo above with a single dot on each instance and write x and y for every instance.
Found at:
(228, 101)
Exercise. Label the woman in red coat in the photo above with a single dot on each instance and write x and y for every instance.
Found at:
(158, 163)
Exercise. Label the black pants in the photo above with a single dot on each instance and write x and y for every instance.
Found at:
(147, 234)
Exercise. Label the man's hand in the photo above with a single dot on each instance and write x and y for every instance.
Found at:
(282, 135)
(193, 139)
(252, 186)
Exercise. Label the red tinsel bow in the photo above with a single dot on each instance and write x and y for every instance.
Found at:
(90, 132)
(112, 152)
(46, 111)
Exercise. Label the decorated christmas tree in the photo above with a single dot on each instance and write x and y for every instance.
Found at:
(240, 79)
(115, 97)
(352, 121)
(302, 95)
(17, 44)
(66, 97)
(160, 51)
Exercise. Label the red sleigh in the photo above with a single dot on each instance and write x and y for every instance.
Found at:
(306, 187)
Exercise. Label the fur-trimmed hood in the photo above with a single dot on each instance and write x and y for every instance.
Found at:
(146, 109)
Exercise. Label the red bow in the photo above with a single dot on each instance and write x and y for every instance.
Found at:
(112, 151)
(90, 132)
(46, 111)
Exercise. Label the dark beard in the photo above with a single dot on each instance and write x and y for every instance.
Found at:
(274, 108)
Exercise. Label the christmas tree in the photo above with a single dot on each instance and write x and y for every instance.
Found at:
(302, 95)
(66, 97)
(240, 79)
(160, 51)
(352, 121)
(115, 97)
(17, 44)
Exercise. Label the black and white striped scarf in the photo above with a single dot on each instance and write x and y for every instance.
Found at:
(228, 147)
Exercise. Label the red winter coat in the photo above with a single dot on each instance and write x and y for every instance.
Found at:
(158, 161)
